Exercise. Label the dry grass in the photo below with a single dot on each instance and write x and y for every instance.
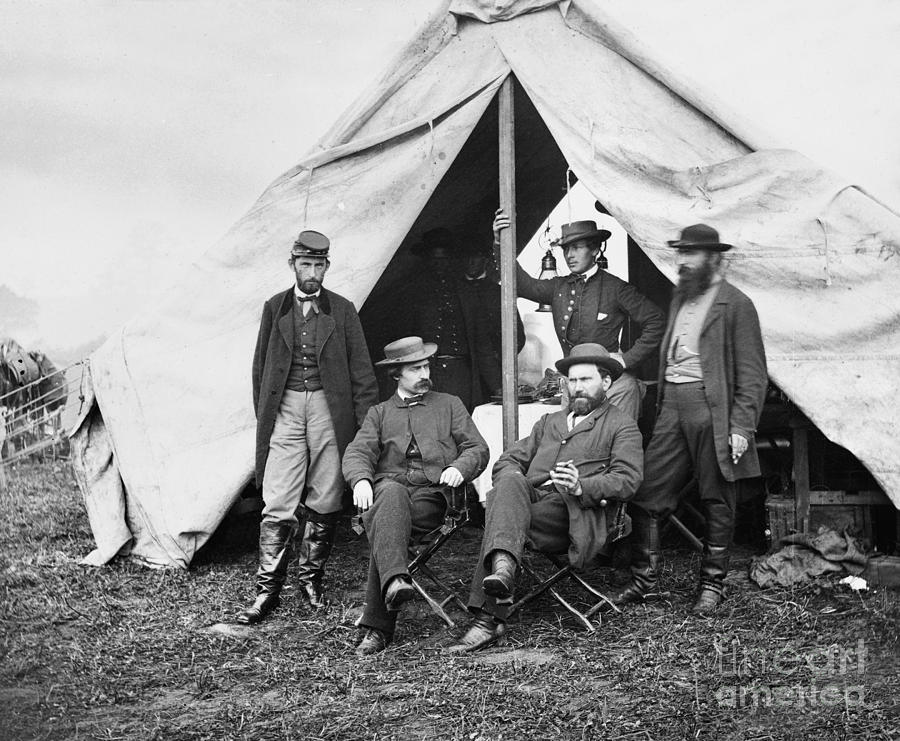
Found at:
(126, 653)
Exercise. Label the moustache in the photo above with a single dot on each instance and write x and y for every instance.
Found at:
(425, 384)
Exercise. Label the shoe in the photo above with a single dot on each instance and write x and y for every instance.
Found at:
(373, 642)
(256, 613)
(630, 594)
(501, 582)
(314, 550)
(707, 601)
(398, 591)
(484, 631)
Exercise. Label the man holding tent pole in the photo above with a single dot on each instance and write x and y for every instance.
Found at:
(313, 383)
(712, 386)
(591, 305)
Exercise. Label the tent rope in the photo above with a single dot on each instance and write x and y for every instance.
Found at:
(828, 279)
(591, 139)
(306, 199)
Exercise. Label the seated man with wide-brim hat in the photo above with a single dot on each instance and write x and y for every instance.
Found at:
(409, 451)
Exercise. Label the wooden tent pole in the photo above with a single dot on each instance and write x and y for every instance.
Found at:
(507, 143)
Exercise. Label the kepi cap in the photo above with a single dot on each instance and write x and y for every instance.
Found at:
(310, 243)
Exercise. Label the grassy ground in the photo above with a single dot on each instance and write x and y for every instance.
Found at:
(126, 653)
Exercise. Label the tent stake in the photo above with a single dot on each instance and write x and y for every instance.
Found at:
(507, 145)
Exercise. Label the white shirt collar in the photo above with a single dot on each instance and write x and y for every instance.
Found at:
(590, 272)
(299, 294)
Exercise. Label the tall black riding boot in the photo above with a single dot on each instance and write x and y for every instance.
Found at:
(274, 554)
(318, 539)
(714, 566)
(646, 557)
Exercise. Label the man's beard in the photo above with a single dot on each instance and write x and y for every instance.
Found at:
(310, 285)
(582, 405)
(692, 282)
(423, 385)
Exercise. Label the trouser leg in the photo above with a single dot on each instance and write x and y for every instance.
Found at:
(667, 468)
(718, 496)
(516, 514)
(627, 394)
(397, 514)
(283, 482)
(322, 501)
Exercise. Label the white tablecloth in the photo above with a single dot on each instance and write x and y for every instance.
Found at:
(488, 419)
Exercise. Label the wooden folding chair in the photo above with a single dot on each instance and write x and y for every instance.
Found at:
(456, 517)
(562, 570)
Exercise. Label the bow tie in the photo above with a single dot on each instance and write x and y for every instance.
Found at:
(577, 278)
(312, 300)
(413, 400)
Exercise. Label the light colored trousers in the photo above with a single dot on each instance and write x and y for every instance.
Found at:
(303, 453)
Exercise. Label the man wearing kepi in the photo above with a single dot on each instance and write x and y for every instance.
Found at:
(313, 383)
(712, 388)
(408, 452)
(591, 305)
(563, 488)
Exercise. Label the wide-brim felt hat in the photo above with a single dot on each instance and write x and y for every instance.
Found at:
(581, 230)
(438, 242)
(590, 352)
(310, 243)
(407, 350)
(700, 237)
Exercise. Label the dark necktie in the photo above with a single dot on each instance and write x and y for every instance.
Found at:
(411, 401)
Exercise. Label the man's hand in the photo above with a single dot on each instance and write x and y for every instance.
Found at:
(363, 495)
(451, 477)
(564, 476)
(739, 445)
(617, 356)
(501, 222)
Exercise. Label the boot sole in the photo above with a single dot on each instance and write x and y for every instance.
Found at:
(495, 587)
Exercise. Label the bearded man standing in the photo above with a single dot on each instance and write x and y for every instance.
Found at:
(564, 487)
(712, 387)
(313, 383)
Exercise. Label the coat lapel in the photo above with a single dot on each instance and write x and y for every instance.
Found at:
(326, 323)
(717, 309)
(286, 319)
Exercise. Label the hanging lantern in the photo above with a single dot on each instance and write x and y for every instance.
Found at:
(602, 262)
(548, 270)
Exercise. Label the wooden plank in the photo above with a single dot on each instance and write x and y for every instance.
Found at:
(859, 498)
(801, 477)
(507, 146)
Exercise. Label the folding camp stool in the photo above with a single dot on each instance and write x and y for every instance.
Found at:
(456, 517)
(562, 570)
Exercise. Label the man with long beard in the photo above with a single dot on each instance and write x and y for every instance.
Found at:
(408, 452)
(563, 488)
(712, 387)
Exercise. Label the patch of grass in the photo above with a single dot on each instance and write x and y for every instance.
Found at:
(123, 652)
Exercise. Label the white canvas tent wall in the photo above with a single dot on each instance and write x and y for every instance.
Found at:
(173, 418)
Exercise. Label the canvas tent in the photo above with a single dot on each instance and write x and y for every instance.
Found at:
(165, 442)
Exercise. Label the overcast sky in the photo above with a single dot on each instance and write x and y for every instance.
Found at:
(135, 133)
